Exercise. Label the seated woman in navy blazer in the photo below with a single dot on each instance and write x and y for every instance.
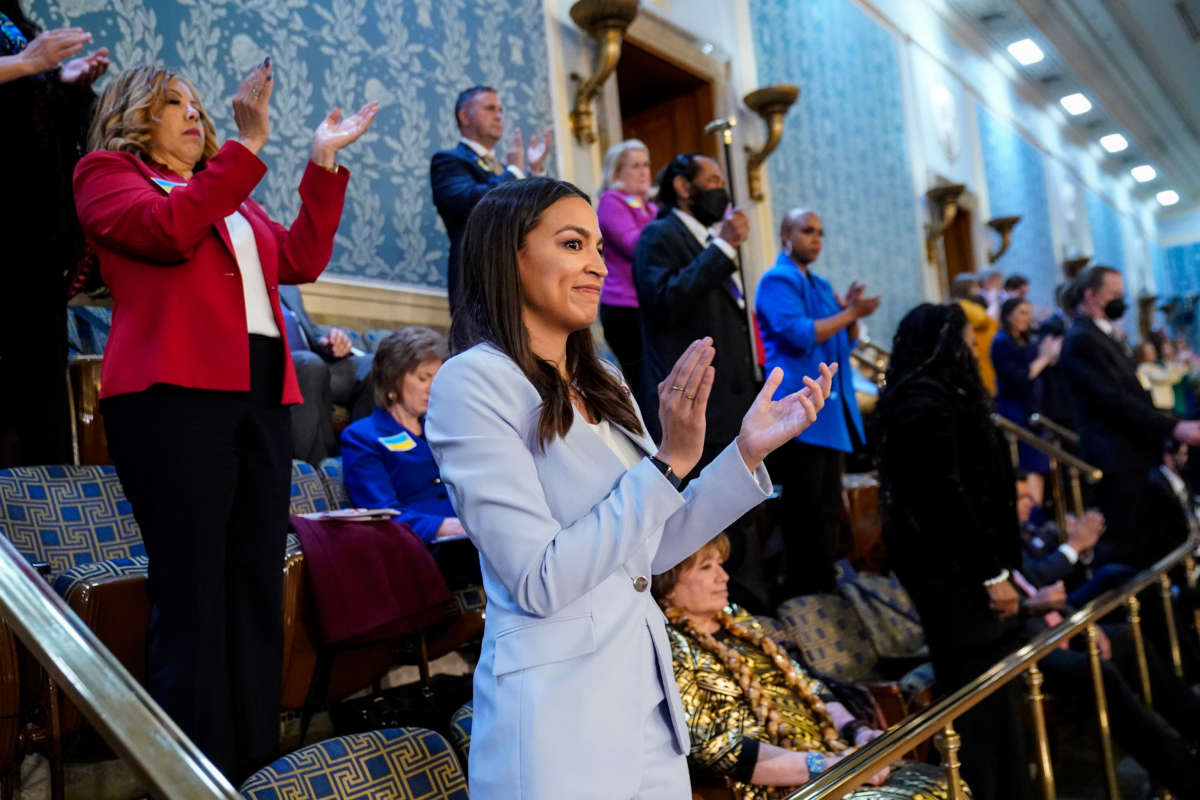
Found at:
(386, 461)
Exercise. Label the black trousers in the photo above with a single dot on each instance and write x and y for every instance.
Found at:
(35, 420)
(623, 332)
(208, 474)
(811, 478)
(993, 742)
(1154, 741)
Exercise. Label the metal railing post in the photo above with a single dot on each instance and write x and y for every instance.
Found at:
(948, 743)
(1164, 583)
(1038, 713)
(1106, 745)
(1139, 646)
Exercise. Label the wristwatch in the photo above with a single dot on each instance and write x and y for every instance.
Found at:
(815, 763)
(667, 472)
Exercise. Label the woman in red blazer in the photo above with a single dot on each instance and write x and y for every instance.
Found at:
(196, 381)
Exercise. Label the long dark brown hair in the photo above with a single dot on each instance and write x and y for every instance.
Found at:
(490, 305)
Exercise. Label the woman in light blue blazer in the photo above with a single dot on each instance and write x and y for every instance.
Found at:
(573, 508)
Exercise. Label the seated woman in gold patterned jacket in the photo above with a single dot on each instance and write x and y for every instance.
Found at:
(756, 717)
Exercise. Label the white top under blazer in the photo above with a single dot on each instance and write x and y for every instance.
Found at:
(568, 540)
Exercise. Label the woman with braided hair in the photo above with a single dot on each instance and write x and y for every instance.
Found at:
(756, 717)
(951, 530)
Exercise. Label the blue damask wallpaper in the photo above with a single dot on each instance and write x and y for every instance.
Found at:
(1016, 184)
(1181, 270)
(1108, 244)
(844, 151)
(414, 56)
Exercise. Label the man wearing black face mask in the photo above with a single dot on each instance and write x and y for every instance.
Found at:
(688, 287)
(1120, 431)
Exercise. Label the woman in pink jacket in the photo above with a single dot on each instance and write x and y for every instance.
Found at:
(623, 210)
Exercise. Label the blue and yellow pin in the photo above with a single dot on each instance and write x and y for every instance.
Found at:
(400, 443)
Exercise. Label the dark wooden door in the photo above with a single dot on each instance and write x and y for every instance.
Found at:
(959, 247)
(664, 105)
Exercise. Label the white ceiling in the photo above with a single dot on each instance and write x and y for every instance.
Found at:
(1136, 60)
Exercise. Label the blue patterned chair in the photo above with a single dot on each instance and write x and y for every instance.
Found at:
(373, 337)
(460, 731)
(335, 488)
(398, 763)
(834, 639)
(308, 490)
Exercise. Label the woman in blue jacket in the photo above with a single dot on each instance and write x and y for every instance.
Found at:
(385, 459)
(805, 323)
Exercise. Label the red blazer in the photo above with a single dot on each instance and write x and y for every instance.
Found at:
(179, 315)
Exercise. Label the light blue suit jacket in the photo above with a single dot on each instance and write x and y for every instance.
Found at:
(574, 655)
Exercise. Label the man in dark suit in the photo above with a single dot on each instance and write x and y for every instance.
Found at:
(466, 172)
(1120, 431)
(1168, 514)
(689, 287)
(329, 373)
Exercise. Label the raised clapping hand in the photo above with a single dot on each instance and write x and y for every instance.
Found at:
(682, 401)
(334, 133)
(84, 71)
(250, 107)
(771, 423)
(535, 155)
(48, 49)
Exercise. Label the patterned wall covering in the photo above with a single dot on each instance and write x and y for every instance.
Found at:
(1180, 267)
(844, 151)
(413, 56)
(1108, 245)
(1016, 184)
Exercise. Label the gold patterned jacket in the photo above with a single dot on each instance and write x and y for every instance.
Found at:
(719, 718)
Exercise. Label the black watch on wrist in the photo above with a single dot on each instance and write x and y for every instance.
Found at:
(667, 472)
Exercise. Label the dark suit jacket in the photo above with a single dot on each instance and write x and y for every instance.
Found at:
(293, 301)
(458, 184)
(1163, 516)
(1041, 560)
(1120, 430)
(683, 296)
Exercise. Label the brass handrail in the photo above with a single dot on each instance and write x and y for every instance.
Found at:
(1090, 473)
(878, 373)
(136, 727)
(1066, 434)
(851, 772)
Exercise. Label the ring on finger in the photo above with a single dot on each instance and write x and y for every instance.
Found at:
(676, 388)
(690, 396)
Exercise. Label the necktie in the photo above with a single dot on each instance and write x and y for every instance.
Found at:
(731, 283)
(493, 164)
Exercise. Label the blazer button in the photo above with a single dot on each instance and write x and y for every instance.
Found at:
(640, 583)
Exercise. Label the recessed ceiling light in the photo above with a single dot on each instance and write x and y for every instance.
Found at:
(1113, 142)
(1167, 198)
(1143, 173)
(1076, 104)
(1026, 52)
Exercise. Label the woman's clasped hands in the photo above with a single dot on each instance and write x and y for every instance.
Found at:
(683, 401)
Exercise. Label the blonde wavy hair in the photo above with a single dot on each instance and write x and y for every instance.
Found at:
(614, 160)
(127, 112)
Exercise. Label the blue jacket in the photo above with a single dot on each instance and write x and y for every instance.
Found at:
(387, 466)
(788, 305)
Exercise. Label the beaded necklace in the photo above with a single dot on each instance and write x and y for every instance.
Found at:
(780, 732)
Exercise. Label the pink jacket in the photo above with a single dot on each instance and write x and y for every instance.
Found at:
(622, 218)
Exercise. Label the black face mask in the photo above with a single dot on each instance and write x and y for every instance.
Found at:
(1115, 309)
(708, 205)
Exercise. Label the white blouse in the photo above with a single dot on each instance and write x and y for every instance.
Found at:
(625, 451)
(260, 317)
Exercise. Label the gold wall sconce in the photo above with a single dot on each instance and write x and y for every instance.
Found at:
(946, 198)
(771, 103)
(1074, 266)
(605, 21)
(1003, 226)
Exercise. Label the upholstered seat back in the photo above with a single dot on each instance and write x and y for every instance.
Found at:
(460, 730)
(335, 488)
(831, 634)
(308, 490)
(397, 763)
(68, 516)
